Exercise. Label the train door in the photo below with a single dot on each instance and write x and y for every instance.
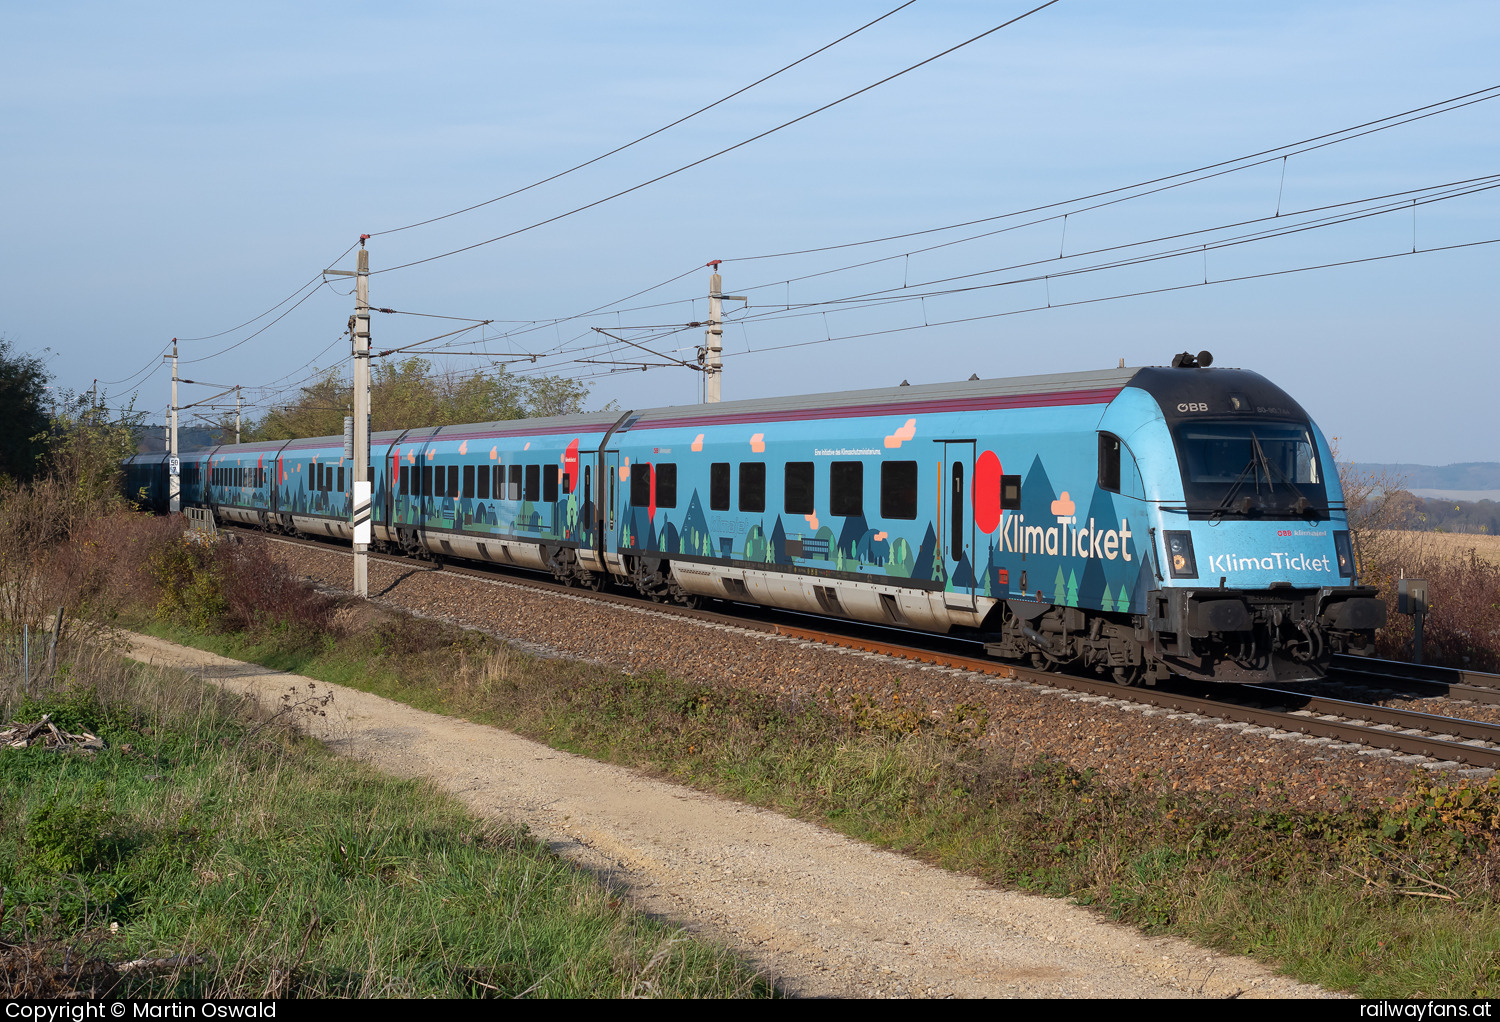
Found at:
(392, 487)
(956, 515)
(610, 493)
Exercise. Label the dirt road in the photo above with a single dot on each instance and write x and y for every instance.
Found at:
(821, 914)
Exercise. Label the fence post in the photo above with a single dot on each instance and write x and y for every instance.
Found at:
(52, 649)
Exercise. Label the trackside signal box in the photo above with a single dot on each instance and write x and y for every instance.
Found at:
(1411, 596)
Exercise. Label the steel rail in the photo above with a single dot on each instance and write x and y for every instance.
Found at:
(1476, 686)
(1340, 730)
(1354, 710)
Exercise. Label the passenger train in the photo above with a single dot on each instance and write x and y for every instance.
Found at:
(1137, 522)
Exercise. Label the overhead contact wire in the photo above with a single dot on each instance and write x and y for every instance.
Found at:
(652, 134)
(721, 152)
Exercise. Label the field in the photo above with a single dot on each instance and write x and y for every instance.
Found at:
(1455, 546)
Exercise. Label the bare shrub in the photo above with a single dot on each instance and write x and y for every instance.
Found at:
(105, 568)
(260, 591)
(1462, 628)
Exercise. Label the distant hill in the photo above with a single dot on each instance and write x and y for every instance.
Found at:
(1465, 475)
(153, 440)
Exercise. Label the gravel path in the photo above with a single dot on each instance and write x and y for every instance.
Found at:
(1118, 739)
(821, 914)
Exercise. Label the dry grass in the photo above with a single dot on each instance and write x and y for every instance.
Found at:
(1428, 546)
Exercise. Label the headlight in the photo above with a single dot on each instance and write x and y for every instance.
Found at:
(1180, 559)
(1344, 554)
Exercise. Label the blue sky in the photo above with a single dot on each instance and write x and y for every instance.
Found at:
(174, 170)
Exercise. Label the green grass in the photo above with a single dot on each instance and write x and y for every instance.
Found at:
(291, 872)
(1335, 898)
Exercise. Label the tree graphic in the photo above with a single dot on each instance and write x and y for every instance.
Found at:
(1059, 587)
(900, 561)
(1072, 588)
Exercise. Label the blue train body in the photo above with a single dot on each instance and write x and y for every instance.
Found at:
(1140, 522)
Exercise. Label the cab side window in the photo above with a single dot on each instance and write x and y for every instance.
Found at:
(1109, 462)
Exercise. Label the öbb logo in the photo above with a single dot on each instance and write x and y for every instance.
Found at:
(1283, 532)
(1193, 406)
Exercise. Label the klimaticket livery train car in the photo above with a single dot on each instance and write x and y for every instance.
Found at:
(1139, 522)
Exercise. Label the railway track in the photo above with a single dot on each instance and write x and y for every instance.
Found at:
(1423, 679)
(1434, 741)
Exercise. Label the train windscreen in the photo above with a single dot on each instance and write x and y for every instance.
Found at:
(1250, 468)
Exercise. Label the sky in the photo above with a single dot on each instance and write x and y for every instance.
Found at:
(176, 170)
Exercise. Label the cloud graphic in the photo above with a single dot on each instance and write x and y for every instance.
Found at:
(411, 457)
(903, 434)
(494, 453)
(1063, 507)
(463, 448)
(697, 444)
(431, 454)
(625, 470)
(758, 443)
(879, 536)
(527, 447)
(812, 521)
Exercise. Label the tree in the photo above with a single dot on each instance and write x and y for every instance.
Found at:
(408, 394)
(84, 453)
(23, 423)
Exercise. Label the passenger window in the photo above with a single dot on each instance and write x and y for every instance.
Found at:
(752, 486)
(640, 485)
(1109, 462)
(341, 478)
(453, 480)
(426, 480)
(1010, 493)
(468, 480)
(588, 484)
(799, 488)
(483, 479)
(533, 491)
(846, 488)
(718, 486)
(898, 489)
(515, 482)
(666, 485)
(549, 484)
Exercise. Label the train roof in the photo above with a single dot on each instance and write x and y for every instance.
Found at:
(1092, 386)
(1097, 386)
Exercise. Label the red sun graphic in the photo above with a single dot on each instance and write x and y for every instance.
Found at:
(987, 472)
(570, 466)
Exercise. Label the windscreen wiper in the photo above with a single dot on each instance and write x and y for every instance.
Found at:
(1239, 480)
(1302, 504)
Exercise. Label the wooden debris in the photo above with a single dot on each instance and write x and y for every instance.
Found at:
(47, 734)
(157, 964)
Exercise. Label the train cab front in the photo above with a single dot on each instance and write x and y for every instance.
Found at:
(1256, 576)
